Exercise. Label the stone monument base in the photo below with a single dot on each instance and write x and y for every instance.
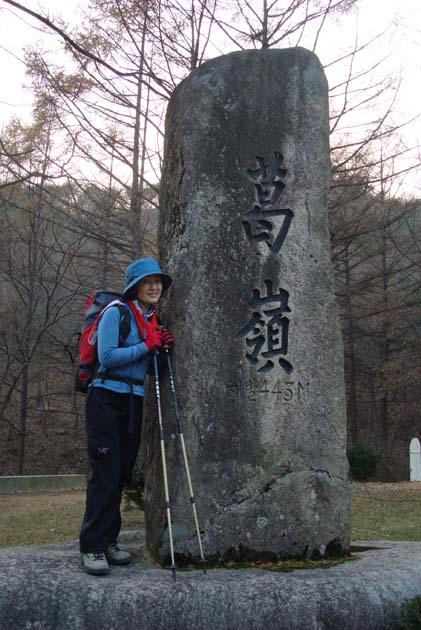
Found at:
(45, 588)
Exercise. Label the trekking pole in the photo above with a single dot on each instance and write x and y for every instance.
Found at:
(203, 560)
(164, 465)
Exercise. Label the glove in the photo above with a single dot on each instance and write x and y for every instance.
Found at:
(167, 338)
(154, 340)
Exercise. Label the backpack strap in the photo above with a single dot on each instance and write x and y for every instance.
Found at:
(125, 322)
(124, 330)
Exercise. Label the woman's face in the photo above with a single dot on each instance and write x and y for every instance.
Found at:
(149, 290)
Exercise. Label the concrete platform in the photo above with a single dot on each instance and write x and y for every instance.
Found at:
(45, 589)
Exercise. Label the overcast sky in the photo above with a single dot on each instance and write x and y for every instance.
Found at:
(373, 16)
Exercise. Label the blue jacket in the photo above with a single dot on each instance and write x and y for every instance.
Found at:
(130, 360)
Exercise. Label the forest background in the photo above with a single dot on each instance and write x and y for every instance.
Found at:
(79, 185)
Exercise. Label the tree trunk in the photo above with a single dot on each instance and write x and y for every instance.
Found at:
(352, 372)
(137, 180)
(22, 419)
(265, 34)
(384, 404)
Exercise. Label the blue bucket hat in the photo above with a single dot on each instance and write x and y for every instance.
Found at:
(145, 267)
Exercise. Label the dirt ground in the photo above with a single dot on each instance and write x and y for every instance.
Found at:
(380, 511)
(16, 504)
(389, 491)
(50, 517)
(22, 504)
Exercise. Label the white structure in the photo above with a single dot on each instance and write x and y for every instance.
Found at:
(415, 460)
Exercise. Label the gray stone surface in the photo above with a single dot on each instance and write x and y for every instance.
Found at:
(267, 447)
(45, 589)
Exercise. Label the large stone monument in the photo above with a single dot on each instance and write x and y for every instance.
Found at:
(258, 356)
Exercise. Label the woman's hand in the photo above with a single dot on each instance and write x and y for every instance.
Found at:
(154, 340)
(167, 338)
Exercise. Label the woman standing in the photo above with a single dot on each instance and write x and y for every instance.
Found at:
(114, 408)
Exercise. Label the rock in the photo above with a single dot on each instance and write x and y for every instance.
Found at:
(45, 589)
(258, 355)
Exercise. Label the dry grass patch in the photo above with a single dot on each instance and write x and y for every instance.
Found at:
(380, 511)
(387, 511)
(46, 518)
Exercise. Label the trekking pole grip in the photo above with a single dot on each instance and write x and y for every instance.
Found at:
(165, 346)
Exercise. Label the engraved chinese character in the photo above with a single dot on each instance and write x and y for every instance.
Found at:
(267, 330)
(269, 187)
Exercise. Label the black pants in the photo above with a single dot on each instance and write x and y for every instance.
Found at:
(112, 454)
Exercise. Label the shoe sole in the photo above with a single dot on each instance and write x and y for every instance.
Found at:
(96, 571)
(118, 562)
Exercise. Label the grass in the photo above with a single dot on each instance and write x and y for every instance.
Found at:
(387, 511)
(42, 519)
(379, 512)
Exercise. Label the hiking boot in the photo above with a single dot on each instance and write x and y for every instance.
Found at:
(95, 563)
(115, 555)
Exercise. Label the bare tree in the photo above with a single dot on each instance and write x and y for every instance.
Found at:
(271, 23)
(35, 266)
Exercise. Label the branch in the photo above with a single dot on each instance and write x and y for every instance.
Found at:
(71, 42)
